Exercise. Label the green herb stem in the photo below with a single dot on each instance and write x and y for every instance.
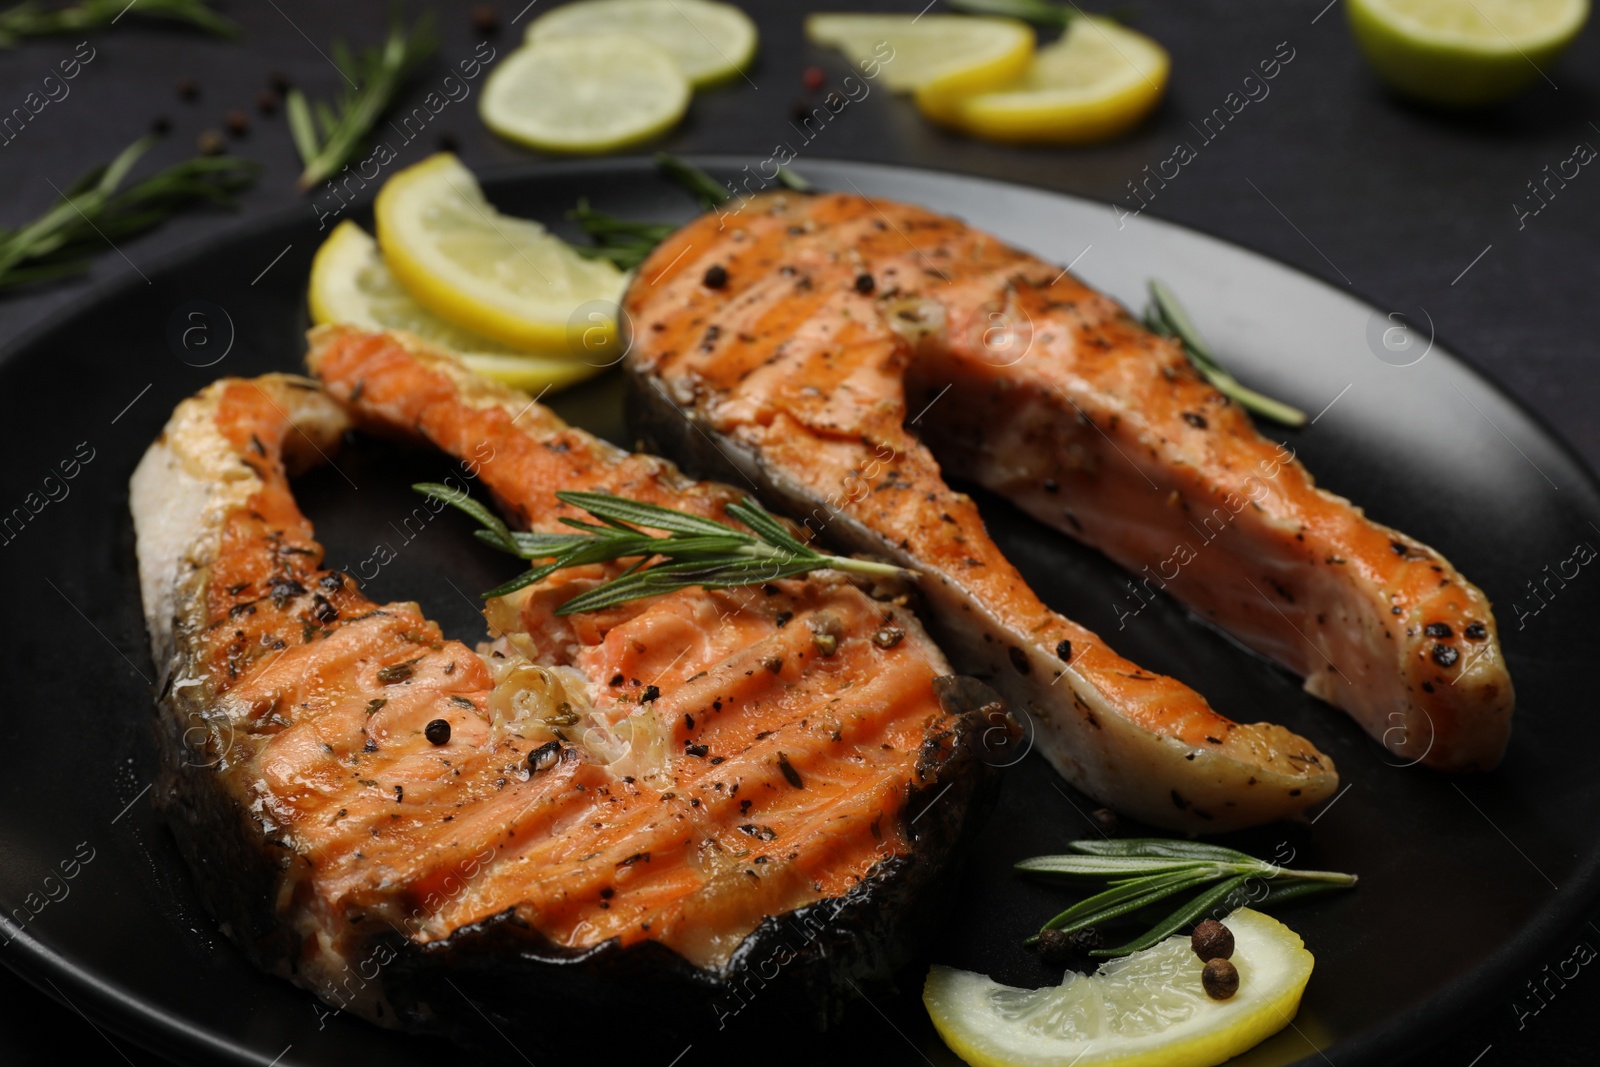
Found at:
(93, 213)
(30, 19)
(710, 192)
(325, 135)
(1139, 872)
(622, 241)
(1166, 316)
(698, 551)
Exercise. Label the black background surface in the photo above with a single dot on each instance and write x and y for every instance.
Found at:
(1328, 173)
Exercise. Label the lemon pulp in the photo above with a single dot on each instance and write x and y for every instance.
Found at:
(1143, 1010)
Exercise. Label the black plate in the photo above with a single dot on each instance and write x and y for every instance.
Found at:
(1465, 881)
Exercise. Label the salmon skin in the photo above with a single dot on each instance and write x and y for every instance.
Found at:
(669, 807)
(834, 350)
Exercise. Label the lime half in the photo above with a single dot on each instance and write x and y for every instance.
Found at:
(1463, 53)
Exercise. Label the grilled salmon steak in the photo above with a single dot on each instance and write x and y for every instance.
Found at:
(690, 795)
(836, 350)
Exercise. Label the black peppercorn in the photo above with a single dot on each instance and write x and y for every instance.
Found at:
(279, 81)
(651, 693)
(544, 757)
(716, 276)
(1105, 819)
(1088, 939)
(161, 126)
(485, 20)
(448, 141)
(1445, 656)
(1055, 947)
(1220, 979)
(267, 102)
(437, 732)
(188, 89)
(865, 284)
(1211, 941)
(238, 122)
(210, 143)
(1437, 629)
(1475, 632)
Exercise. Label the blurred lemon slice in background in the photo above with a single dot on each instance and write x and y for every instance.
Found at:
(501, 277)
(1464, 52)
(710, 42)
(1099, 80)
(588, 93)
(350, 283)
(939, 58)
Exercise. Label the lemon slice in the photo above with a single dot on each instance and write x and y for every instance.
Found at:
(710, 42)
(1464, 52)
(940, 58)
(350, 283)
(1098, 81)
(590, 93)
(504, 278)
(1143, 1010)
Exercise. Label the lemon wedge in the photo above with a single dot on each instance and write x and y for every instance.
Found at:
(710, 42)
(501, 277)
(938, 58)
(1099, 80)
(1143, 1010)
(589, 93)
(1464, 52)
(350, 283)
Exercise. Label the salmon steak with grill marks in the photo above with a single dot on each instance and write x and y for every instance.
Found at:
(845, 355)
(671, 806)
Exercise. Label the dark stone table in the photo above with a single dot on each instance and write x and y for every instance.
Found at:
(1327, 172)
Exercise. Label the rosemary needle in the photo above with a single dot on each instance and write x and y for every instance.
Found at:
(1139, 872)
(93, 211)
(699, 552)
(627, 243)
(1164, 315)
(327, 135)
(30, 19)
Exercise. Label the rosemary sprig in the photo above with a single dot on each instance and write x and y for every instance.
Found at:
(1164, 315)
(1139, 872)
(327, 136)
(627, 243)
(702, 552)
(623, 242)
(710, 192)
(30, 19)
(92, 212)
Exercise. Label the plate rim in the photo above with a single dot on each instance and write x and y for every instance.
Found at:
(132, 1016)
